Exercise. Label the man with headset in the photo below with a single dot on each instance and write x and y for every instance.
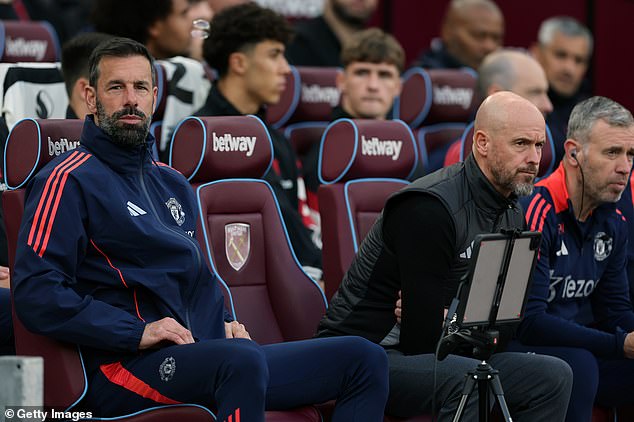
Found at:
(579, 306)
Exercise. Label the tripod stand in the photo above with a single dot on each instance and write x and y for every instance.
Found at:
(494, 293)
(484, 375)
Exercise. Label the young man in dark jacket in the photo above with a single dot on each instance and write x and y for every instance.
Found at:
(107, 259)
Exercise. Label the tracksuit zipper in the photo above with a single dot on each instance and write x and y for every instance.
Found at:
(180, 234)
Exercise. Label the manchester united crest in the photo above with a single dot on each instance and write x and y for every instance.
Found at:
(167, 369)
(602, 246)
(237, 244)
(176, 210)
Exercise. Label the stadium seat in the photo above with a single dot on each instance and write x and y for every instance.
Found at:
(241, 230)
(31, 144)
(361, 162)
(437, 101)
(28, 41)
(433, 140)
(310, 95)
(437, 96)
(545, 165)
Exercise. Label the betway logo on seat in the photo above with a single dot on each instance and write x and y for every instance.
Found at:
(226, 143)
(375, 146)
(19, 47)
(320, 94)
(447, 95)
(60, 146)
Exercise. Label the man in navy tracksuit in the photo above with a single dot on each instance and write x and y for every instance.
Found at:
(579, 306)
(107, 259)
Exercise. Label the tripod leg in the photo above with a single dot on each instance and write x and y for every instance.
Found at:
(483, 399)
(496, 387)
(469, 383)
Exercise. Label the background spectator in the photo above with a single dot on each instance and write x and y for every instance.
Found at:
(75, 54)
(471, 29)
(163, 26)
(563, 49)
(318, 41)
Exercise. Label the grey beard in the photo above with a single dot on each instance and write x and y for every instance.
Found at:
(126, 136)
(523, 189)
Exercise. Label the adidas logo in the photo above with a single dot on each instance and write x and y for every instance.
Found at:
(135, 210)
(467, 254)
(563, 251)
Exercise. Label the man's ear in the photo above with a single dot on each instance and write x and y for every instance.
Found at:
(155, 29)
(79, 89)
(238, 63)
(91, 99)
(571, 152)
(481, 142)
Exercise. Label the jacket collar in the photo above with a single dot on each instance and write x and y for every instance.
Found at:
(218, 105)
(121, 160)
(556, 186)
(485, 195)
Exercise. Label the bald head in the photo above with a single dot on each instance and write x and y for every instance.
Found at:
(516, 71)
(472, 29)
(509, 135)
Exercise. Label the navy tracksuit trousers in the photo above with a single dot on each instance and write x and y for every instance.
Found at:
(609, 383)
(238, 376)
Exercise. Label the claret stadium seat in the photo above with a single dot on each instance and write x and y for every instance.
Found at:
(437, 104)
(242, 232)
(28, 41)
(361, 163)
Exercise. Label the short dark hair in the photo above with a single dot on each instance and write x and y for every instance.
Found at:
(75, 54)
(373, 46)
(129, 18)
(240, 27)
(117, 47)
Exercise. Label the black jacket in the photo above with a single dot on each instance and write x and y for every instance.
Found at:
(314, 45)
(418, 245)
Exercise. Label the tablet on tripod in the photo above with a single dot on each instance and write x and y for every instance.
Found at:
(501, 270)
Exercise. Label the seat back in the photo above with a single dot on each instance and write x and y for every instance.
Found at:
(310, 95)
(30, 145)
(433, 142)
(432, 96)
(548, 152)
(241, 229)
(438, 101)
(27, 41)
(306, 116)
(361, 163)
